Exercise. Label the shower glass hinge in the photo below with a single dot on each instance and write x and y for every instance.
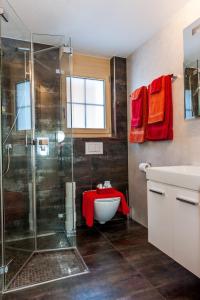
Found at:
(67, 50)
(3, 270)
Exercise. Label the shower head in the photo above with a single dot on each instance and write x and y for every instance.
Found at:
(23, 49)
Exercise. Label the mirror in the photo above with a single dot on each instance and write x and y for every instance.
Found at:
(191, 37)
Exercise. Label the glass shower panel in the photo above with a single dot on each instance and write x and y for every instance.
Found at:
(53, 142)
(18, 241)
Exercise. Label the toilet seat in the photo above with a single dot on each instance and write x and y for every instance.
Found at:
(107, 199)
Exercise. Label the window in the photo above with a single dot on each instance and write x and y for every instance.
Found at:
(23, 106)
(86, 103)
(89, 100)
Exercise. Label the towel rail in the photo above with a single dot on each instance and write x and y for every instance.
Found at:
(173, 77)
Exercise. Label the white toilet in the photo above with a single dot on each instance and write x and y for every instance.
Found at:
(105, 209)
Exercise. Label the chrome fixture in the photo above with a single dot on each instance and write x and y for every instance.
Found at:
(3, 15)
(8, 148)
(23, 49)
(43, 146)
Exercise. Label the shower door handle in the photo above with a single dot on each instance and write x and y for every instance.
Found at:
(26, 140)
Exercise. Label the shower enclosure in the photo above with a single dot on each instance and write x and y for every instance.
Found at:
(38, 232)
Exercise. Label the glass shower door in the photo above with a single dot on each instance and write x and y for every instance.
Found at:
(54, 187)
(16, 135)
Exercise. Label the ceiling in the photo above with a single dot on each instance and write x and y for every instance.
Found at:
(98, 27)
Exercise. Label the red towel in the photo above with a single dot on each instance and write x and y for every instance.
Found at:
(104, 191)
(155, 86)
(88, 203)
(137, 135)
(163, 130)
(137, 107)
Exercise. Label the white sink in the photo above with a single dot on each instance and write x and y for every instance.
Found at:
(182, 176)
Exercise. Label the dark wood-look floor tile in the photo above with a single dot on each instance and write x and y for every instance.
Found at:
(92, 248)
(147, 295)
(144, 255)
(183, 289)
(165, 273)
(121, 229)
(86, 235)
(130, 239)
(105, 260)
(111, 268)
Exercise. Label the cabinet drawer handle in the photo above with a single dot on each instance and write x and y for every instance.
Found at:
(157, 192)
(186, 201)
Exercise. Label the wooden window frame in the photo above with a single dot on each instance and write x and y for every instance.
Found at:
(95, 132)
(91, 67)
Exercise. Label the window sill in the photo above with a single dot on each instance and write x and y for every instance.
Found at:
(89, 133)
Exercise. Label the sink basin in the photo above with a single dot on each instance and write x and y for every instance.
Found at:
(182, 176)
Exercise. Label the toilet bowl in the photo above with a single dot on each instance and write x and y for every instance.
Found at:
(105, 209)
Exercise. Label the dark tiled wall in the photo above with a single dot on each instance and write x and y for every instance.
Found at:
(119, 97)
(89, 170)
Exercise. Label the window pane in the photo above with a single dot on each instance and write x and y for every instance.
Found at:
(78, 116)
(95, 116)
(94, 91)
(68, 89)
(69, 116)
(24, 118)
(77, 90)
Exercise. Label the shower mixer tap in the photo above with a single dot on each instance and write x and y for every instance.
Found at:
(43, 146)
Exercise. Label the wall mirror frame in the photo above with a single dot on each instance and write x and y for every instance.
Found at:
(191, 37)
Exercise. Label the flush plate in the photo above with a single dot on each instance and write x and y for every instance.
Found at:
(93, 148)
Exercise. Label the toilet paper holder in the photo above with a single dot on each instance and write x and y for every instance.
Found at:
(144, 166)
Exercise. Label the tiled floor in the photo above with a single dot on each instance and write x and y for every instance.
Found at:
(122, 266)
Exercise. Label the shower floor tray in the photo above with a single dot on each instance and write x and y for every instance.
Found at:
(47, 266)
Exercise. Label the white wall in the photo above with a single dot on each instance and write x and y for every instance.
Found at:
(163, 54)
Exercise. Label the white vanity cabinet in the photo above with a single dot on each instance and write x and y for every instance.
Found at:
(174, 223)
(159, 216)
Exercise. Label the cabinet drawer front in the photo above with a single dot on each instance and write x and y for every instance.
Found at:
(159, 216)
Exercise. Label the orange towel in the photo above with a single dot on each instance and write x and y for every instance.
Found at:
(156, 93)
(137, 135)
